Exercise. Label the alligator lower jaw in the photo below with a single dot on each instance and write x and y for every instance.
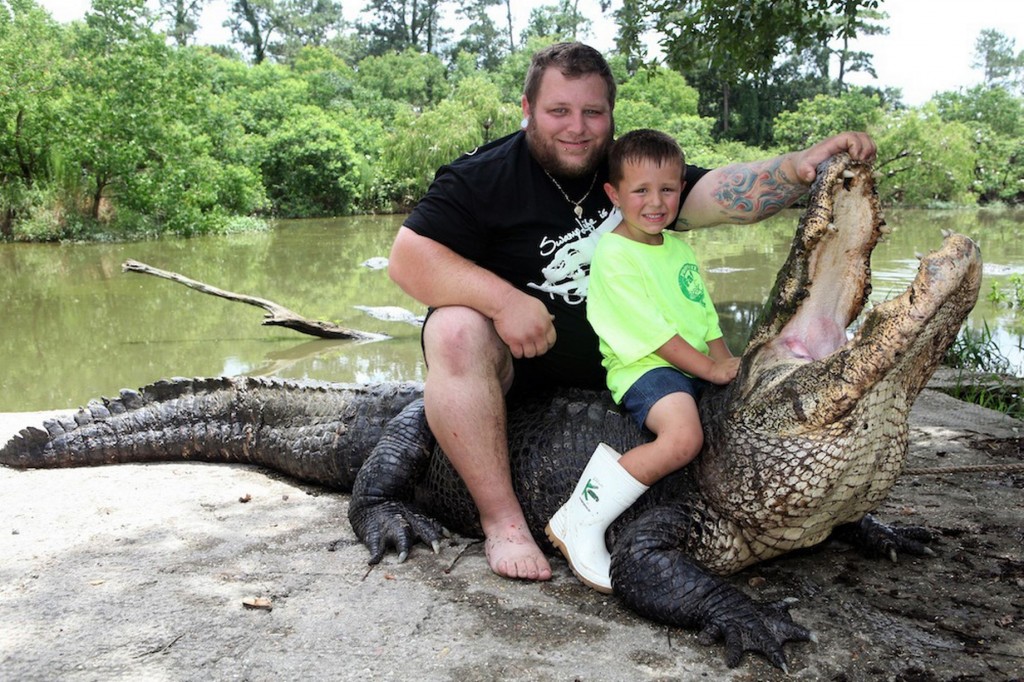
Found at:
(905, 339)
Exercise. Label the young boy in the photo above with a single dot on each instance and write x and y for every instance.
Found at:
(660, 340)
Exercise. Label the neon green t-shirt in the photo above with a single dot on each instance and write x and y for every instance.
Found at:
(639, 297)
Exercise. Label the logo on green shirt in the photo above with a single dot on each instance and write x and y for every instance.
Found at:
(690, 283)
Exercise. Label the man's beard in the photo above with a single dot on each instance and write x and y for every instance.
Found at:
(546, 154)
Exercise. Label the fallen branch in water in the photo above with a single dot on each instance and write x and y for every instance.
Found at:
(277, 315)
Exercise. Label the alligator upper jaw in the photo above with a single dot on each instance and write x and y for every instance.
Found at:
(826, 279)
(801, 343)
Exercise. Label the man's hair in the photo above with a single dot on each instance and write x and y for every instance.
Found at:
(639, 145)
(574, 60)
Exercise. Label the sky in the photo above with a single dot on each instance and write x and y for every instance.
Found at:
(929, 47)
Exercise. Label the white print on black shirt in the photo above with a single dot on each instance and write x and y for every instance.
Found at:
(568, 272)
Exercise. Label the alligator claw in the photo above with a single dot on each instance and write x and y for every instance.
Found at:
(874, 538)
(394, 524)
(746, 625)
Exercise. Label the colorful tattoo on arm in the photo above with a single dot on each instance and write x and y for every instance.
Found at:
(751, 191)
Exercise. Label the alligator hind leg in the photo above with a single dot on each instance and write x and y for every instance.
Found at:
(654, 575)
(382, 511)
(876, 539)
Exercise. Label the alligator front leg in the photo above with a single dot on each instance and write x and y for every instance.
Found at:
(381, 511)
(655, 576)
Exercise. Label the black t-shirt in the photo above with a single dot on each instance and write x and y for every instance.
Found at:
(498, 208)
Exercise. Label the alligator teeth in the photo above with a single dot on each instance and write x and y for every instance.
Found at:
(918, 255)
(946, 233)
(831, 227)
(848, 173)
(885, 229)
(877, 175)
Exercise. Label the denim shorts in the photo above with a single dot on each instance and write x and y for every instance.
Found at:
(655, 385)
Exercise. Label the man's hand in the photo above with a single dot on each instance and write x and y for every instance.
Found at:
(859, 146)
(524, 324)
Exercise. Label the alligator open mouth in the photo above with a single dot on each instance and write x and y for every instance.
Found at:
(813, 432)
(825, 284)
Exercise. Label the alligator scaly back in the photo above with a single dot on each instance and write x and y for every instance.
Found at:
(316, 432)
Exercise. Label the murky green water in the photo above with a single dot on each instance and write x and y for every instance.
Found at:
(74, 326)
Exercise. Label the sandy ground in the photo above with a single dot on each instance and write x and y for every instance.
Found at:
(142, 572)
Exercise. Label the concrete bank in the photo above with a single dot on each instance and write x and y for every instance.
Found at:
(149, 572)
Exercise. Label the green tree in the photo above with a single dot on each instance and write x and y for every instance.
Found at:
(826, 115)
(182, 18)
(410, 76)
(656, 97)
(310, 165)
(143, 129)
(510, 75)
(925, 161)
(664, 89)
(563, 21)
(421, 142)
(997, 119)
(481, 37)
(116, 127)
(253, 24)
(729, 50)
(330, 80)
(994, 54)
(632, 25)
(402, 24)
(31, 82)
(306, 23)
(994, 107)
(854, 18)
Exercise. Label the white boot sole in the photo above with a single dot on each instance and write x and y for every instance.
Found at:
(560, 545)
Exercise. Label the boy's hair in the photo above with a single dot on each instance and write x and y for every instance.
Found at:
(643, 145)
(574, 60)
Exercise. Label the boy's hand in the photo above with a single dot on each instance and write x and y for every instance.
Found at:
(723, 371)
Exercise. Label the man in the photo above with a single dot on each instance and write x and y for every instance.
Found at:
(500, 248)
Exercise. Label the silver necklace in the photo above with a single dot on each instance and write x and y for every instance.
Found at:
(576, 205)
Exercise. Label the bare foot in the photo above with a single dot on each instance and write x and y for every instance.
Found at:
(512, 553)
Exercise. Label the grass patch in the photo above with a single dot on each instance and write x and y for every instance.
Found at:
(985, 377)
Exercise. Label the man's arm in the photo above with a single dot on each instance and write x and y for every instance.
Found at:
(437, 276)
(745, 193)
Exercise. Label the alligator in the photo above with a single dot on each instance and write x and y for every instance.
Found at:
(806, 442)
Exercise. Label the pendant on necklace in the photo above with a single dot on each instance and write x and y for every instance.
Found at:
(577, 206)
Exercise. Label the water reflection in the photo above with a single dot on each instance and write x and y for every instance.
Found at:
(76, 327)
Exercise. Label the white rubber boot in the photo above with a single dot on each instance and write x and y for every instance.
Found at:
(604, 491)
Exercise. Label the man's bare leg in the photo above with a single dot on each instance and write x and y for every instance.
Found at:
(469, 369)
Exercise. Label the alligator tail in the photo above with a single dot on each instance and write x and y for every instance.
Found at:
(316, 432)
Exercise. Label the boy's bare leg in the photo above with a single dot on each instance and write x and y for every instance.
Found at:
(675, 421)
(469, 369)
